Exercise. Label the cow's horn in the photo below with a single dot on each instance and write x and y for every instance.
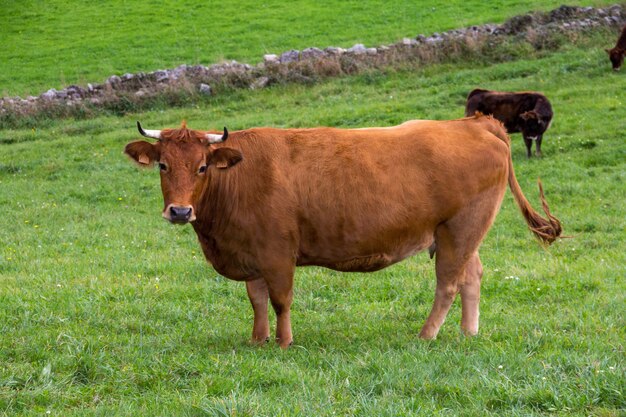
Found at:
(154, 134)
(217, 138)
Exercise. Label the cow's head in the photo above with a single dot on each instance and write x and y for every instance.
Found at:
(616, 55)
(533, 124)
(185, 158)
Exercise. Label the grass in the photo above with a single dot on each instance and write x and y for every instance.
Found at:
(57, 43)
(107, 310)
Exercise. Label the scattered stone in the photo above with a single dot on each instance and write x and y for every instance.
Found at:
(358, 49)
(259, 83)
(333, 50)
(205, 89)
(270, 59)
(290, 56)
(113, 80)
(161, 76)
(311, 53)
(50, 94)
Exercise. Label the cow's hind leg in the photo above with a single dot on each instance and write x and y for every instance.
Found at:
(457, 264)
(259, 297)
(470, 296)
(449, 268)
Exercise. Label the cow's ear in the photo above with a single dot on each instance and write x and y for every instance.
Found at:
(529, 115)
(142, 152)
(224, 158)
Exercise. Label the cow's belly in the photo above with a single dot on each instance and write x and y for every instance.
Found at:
(352, 261)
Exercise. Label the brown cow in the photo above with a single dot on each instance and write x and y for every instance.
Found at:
(616, 55)
(527, 112)
(268, 200)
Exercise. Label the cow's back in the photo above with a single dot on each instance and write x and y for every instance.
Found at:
(507, 107)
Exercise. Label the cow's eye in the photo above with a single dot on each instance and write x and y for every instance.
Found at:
(202, 169)
(162, 166)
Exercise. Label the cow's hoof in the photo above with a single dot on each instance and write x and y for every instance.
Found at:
(260, 341)
(284, 344)
(427, 335)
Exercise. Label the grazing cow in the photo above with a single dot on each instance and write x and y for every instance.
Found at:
(527, 112)
(616, 55)
(267, 200)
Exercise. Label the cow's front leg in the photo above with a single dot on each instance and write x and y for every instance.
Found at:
(538, 146)
(529, 145)
(258, 294)
(280, 287)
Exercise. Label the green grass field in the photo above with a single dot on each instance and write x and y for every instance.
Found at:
(105, 309)
(56, 43)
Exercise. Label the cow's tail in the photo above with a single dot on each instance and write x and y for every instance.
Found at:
(546, 230)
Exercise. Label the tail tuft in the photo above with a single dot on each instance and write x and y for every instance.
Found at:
(547, 230)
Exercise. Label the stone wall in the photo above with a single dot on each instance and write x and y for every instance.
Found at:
(312, 63)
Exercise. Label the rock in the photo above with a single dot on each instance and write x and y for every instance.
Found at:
(270, 59)
(113, 80)
(161, 76)
(290, 56)
(312, 53)
(371, 51)
(358, 49)
(205, 89)
(260, 82)
(49, 95)
(333, 50)
(179, 72)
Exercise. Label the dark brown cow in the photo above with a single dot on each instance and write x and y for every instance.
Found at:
(527, 112)
(268, 200)
(616, 55)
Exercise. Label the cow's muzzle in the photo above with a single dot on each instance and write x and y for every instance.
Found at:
(179, 214)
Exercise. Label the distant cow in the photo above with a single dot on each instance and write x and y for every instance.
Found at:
(616, 55)
(527, 112)
(263, 201)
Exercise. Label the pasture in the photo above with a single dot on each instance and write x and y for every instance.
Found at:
(105, 309)
(58, 43)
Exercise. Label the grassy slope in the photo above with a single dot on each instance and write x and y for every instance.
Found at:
(56, 42)
(105, 309)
